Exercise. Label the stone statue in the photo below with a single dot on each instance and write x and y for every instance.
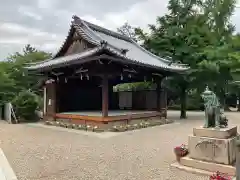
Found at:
(212, 109)
(223, 119)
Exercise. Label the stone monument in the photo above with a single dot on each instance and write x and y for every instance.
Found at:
(212, 146)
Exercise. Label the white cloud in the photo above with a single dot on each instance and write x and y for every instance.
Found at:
(46, 4)
(28, 11)
(19, 35)
(16, 41)
(13, 28)
(55, 17)
(143, 13)
(93, 20)
(17, 28)
(138, 15)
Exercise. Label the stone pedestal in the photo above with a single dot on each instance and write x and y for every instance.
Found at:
(211, 150)
(213, 145)
(238, 159)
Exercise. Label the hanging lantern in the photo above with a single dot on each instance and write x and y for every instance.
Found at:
(81, 77)
(87, 77)
(65, 80)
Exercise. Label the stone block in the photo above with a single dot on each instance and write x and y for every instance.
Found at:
(222, 133)
(207, 166)
(212, 149)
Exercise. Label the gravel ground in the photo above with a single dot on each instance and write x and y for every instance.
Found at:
(48, 154)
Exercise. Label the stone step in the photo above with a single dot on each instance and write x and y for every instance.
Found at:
(208, 166)
(2, 175)
(192, 170)
(6, 170)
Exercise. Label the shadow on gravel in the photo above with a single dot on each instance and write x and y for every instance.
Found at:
(191, 115)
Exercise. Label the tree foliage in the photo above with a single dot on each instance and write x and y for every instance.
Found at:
(197, 33)
(127, 30)
(16, 83)
(26, 103)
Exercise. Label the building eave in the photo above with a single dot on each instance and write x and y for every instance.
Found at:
(87, 31)
(77, 59)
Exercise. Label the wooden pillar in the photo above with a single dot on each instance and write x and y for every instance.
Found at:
(161, 99)
(44, 100)
(105, 96)
(50, 101)
(164, 101)
(158, 96)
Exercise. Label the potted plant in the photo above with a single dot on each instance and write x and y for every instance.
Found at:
(180, 151)
(219, 176)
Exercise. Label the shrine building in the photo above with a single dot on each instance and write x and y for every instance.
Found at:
(91, 61)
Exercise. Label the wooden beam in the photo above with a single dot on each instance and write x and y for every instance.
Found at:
(105, 96)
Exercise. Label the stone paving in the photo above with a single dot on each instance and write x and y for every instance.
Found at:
(39, 153)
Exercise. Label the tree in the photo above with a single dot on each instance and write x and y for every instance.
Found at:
(16, 84)
(219, 59)
(234, 55)
(188, 36)
(127, 30)
(29, 49)
(7, 85)
(181, 34)
(19, 74)
(218, 13)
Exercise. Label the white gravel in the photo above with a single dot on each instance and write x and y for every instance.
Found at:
(37, 153)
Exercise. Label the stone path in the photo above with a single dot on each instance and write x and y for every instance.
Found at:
(38, 153)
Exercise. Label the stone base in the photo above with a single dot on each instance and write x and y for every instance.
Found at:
(115, 126)
(212, 149)
(222, 133)
(203, 167)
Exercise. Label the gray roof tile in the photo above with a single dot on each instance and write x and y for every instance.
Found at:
(63, 60)
(115, 43)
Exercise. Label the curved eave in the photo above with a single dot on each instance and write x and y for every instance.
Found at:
(63, 61)
(173, 68)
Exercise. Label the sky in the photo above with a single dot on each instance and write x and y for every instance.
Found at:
(45, 23)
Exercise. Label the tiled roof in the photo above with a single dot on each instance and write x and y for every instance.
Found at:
(115, 43)
(63, 60)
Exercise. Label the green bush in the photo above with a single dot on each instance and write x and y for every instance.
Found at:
(193, 104)
(25, 105)
(40, 102)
